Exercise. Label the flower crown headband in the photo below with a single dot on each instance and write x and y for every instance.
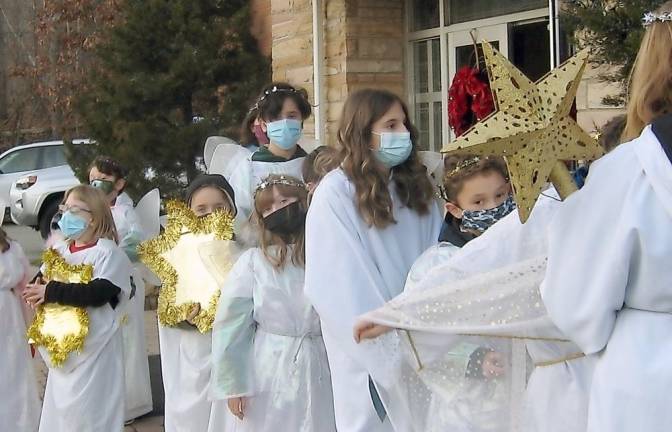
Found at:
(652, 17)
(281, 180)
(275, 89)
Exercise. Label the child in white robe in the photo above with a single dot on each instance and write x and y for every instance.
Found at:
(269, 359)
(281, 110)
(368, 222)
(186, 353)
(608, 280)
(87, 391)
(20, 406)
(109, 176)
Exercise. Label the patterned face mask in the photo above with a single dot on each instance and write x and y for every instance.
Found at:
(481, 220)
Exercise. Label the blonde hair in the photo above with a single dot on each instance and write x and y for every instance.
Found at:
(101, 215)
(263, 199)
(358, 161)
(650, 86)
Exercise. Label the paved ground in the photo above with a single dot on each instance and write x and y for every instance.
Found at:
(32, 244)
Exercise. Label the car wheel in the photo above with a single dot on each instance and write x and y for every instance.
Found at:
(45, 221)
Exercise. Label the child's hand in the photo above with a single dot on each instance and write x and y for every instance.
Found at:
(493, 365)
(33, 294)
(368, 330)
(195, 310)
(237, 406)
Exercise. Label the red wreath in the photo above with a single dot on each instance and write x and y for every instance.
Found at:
(469, 99)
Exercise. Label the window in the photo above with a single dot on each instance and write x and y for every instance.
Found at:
(440, 41)
(21, 160)
(459, 11)
(53, 156)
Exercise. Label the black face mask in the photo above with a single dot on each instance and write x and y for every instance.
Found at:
(286, 221)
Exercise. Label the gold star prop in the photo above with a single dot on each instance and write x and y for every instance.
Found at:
(531, 128)
(191, 258)
(61, 329)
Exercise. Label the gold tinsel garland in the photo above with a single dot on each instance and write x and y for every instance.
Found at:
(57, 269)
(180, 220)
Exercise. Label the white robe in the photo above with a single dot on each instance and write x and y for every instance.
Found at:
(20, 403)
(136, 364)
(352, 268)
(472, 283)
(87, 392)
(608, 284)
(186, 363)
(268, 347)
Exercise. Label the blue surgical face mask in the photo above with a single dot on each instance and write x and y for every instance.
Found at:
(394, 149)
(72, 226)
(481, 220)
(284, 133)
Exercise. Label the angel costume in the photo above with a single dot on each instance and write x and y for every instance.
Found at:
(608, 281)
(138, 400)
(484, 298)
(267, 347)
(351, 269)
(246, 170)
(20, 407)
(86, 393)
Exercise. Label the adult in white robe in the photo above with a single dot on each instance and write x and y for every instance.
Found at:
(489, 289)
(138, 400)
(20, 405)
(268, 348)
(352, 268)
(608, 281)
(86, 393)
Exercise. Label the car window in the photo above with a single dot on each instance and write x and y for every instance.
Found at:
(53, 156)
(21, 160)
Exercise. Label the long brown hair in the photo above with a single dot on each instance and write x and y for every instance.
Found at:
(650, 86)
(263, 199)
(101, 215)
(374, 202)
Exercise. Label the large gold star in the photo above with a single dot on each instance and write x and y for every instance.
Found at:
(531, 128)
(191, 258)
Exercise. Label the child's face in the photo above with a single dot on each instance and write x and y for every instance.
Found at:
(290, 110)
(208, 199)
(279, 201)
(483, 191)
(77, 207)
(115, 184)
(392, 121)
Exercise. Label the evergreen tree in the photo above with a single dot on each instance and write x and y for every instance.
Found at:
(612, 30)
(171, 73)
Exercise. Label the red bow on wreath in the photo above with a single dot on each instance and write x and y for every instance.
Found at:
(469, 100)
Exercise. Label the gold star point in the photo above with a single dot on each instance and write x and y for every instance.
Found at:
(531, 128)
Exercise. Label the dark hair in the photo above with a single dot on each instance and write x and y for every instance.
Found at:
(246, 135)
(611, 132)
(461, 168)
(109, 166)
(272, 98)
(4, 241)
(372, 196)
(216, 181)
(318, 163)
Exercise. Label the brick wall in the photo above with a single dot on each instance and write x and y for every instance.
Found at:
(363, 47)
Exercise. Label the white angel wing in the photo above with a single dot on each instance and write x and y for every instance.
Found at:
(226, 158)
(211, 145)
(147, 211)
(3, 208)
(434, 163)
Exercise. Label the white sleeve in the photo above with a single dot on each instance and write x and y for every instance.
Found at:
(113, 265)
(590, 248)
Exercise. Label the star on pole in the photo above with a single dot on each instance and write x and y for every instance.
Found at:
(531, 128)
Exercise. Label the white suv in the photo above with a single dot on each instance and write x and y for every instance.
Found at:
(38, 176)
